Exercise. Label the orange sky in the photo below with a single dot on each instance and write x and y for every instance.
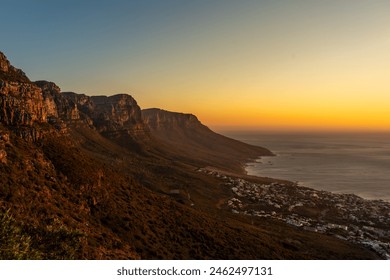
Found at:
(299, 64)
(315, 67)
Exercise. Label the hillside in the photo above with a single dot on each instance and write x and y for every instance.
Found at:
(95, 178)
(190, 140)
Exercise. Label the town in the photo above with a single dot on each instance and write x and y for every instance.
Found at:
(345, 216)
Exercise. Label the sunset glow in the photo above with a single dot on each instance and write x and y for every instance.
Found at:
(235, 64)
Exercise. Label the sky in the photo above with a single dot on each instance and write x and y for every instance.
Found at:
(271, 64)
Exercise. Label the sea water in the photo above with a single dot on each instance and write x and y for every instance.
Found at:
(356, 163)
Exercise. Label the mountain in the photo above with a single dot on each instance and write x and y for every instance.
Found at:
(194, 142)
(86, 177)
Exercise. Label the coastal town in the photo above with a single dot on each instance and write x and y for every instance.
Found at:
(345, 216)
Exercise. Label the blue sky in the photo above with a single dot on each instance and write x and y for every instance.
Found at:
(57, 39)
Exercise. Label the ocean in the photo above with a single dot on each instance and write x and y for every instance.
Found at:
(357, 163)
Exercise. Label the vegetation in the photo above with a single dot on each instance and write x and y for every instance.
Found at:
(14, 244)
(57, 241)
(19, 242)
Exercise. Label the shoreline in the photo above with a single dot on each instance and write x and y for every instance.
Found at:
(255, 165)
(345, 216)
(348, 162)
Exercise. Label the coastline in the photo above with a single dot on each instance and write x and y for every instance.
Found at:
(349, 162)
(345, 216)
(254, 167)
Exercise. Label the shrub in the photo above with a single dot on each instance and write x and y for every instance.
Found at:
(57, 241)
(24, 242)
(14, 244)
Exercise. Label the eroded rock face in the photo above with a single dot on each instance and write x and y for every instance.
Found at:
(161, 119)
(108, 114)
(24, 104)
(50, 92)
(113, 116)
(4, 63)
(63, 106)
(22, 107)
(21, 102)
(75, 106)
(117, 112)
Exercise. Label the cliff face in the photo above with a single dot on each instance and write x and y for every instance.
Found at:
(4, 63)
(116, 112)
(157, 120)
(50, 91)
(117, 117)
(21, 101)
(25, 104)
(105, 113)
(22, 107)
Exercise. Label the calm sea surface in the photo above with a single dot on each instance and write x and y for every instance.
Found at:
(341, 163)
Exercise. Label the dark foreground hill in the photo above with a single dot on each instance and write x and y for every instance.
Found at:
(87, 178)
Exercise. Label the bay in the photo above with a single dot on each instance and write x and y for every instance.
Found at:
(356, 163)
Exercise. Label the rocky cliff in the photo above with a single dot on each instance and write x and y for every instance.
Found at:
(105, 113)
(50, 92)
(21, 101)
(24, 105)
(159, 120)
(116, 113)
(4, 63)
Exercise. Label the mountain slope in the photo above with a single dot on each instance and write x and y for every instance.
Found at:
(194, 142)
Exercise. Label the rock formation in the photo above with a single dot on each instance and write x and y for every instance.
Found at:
(115, 112)
(158, 119)
(21, 102)
(50, 92)
(4, 63)
(24, 104)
